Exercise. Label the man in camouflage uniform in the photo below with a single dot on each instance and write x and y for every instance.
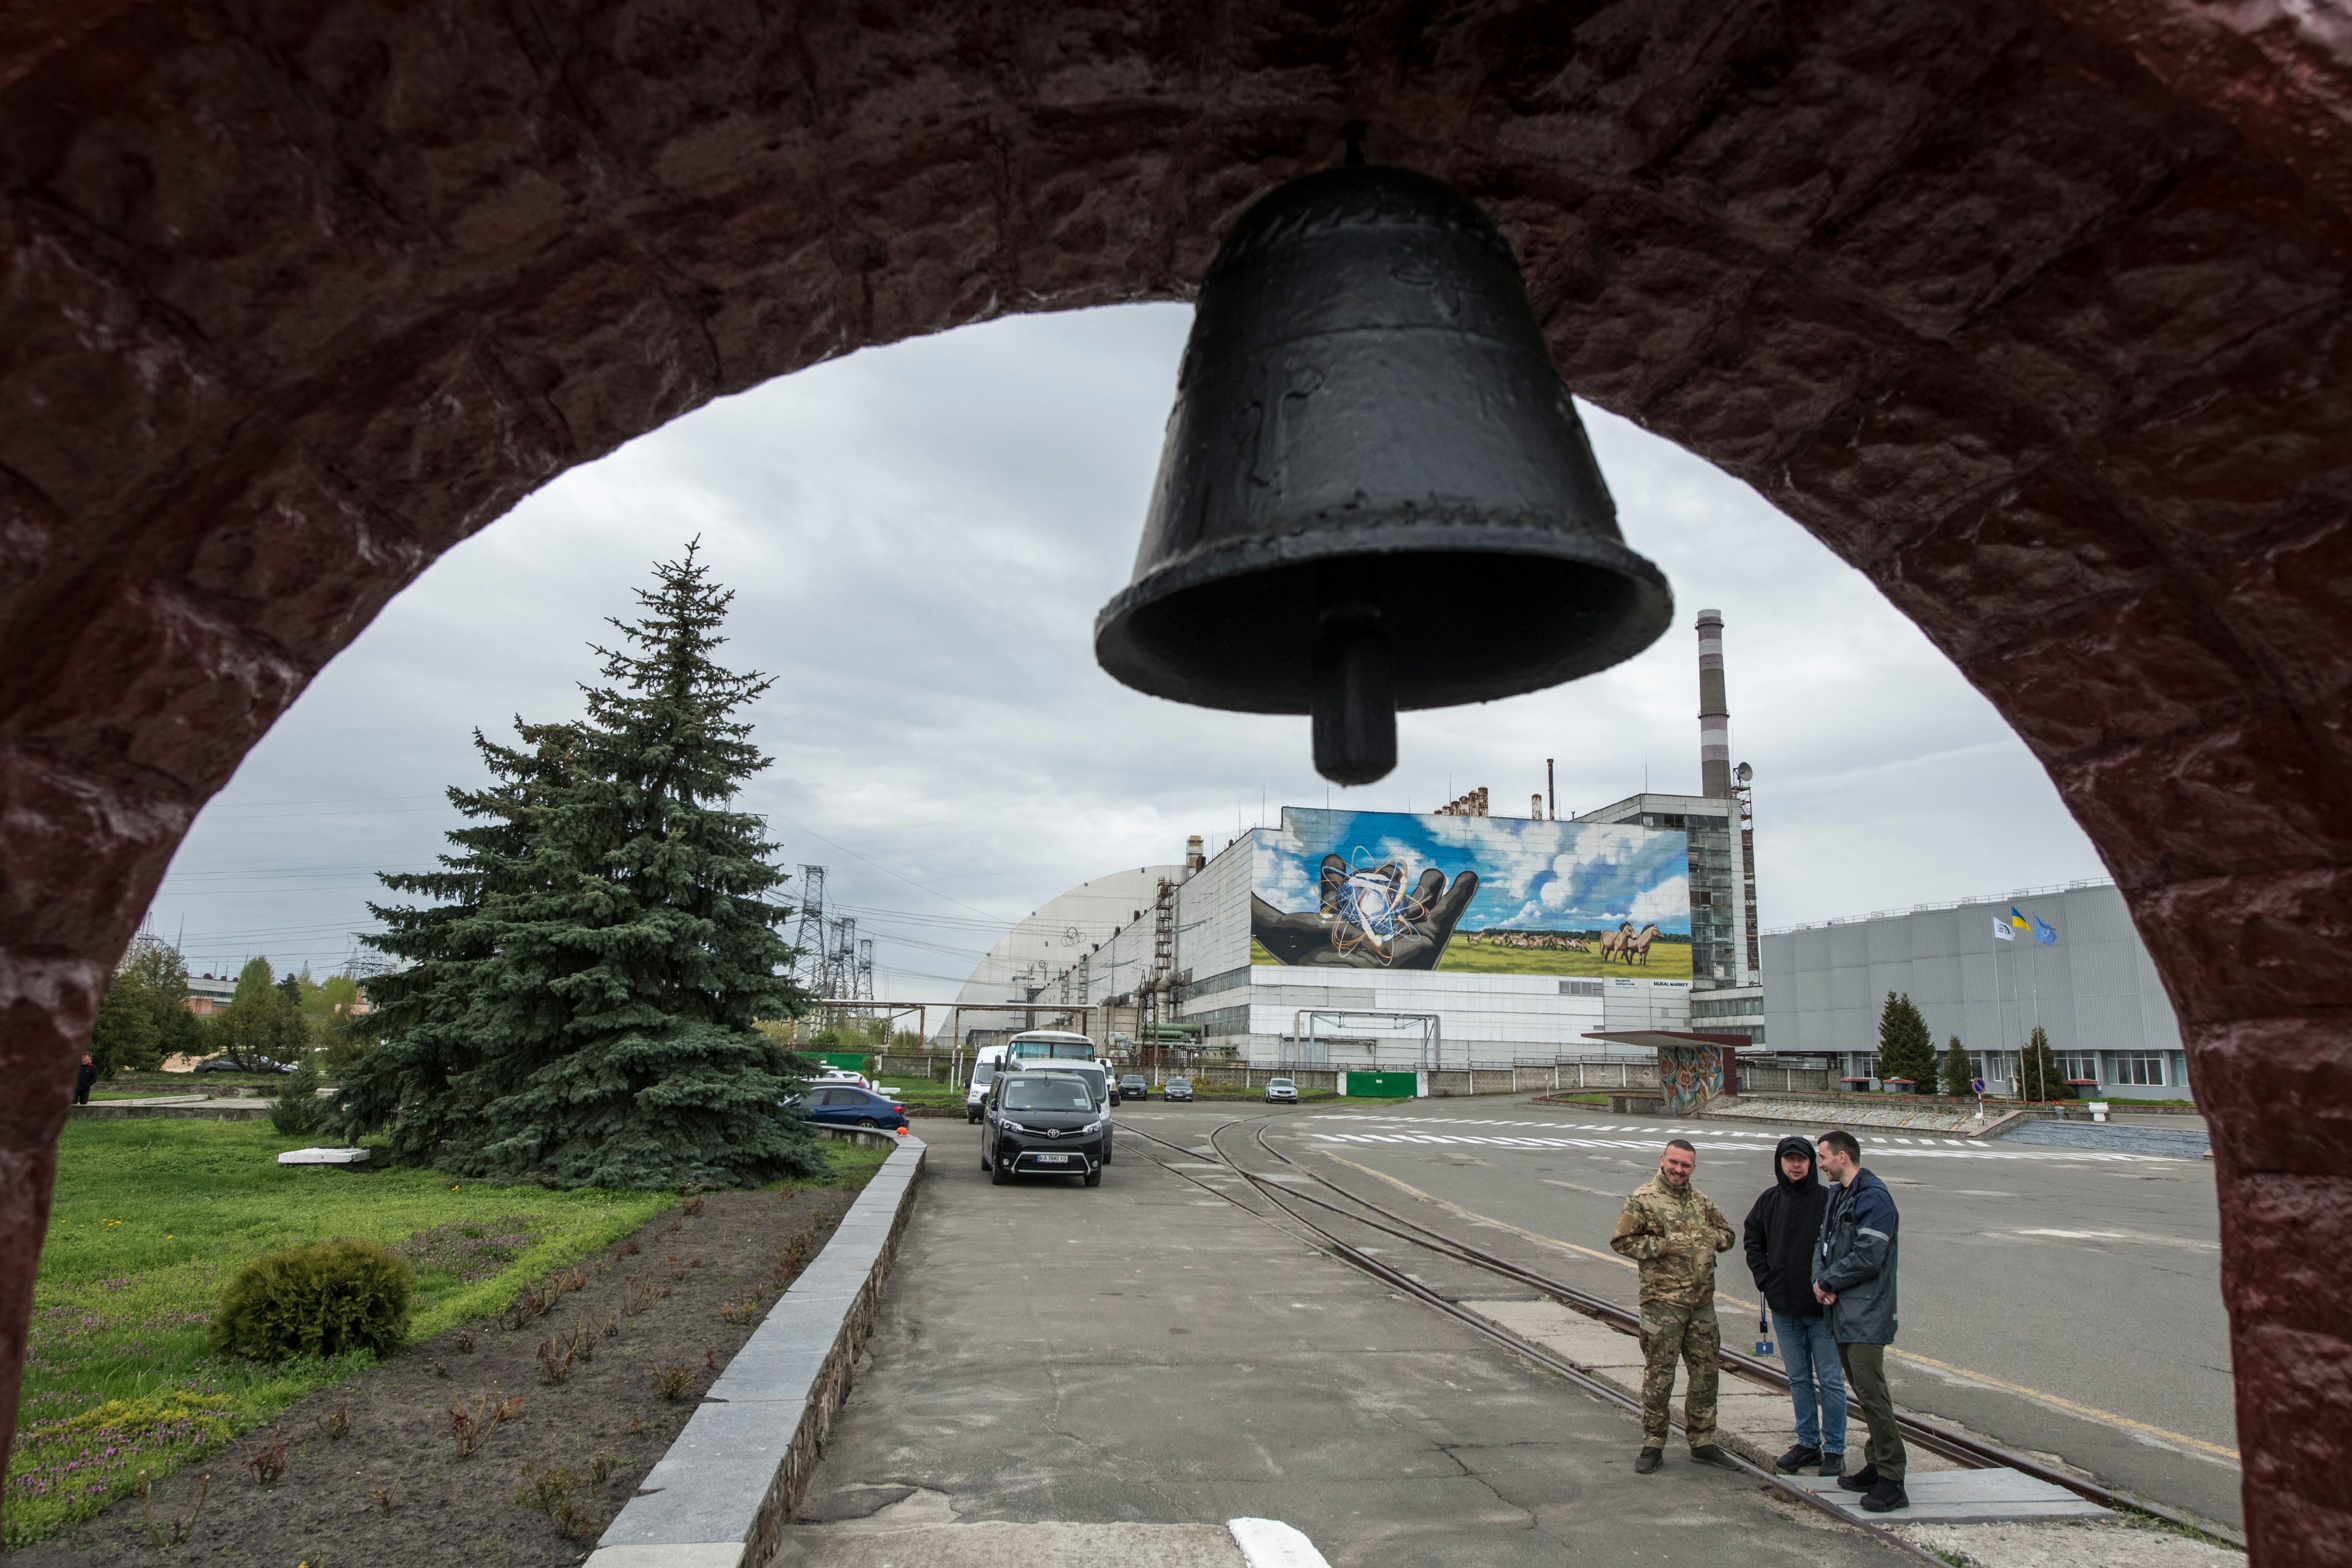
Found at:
(1674, 1232)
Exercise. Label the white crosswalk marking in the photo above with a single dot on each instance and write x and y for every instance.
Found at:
(1709, 1139)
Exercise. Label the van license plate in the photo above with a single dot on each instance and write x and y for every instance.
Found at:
(1054, 1159)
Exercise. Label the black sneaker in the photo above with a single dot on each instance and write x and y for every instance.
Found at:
(1886, 1496)
(1833, 1464)
(1796, 1459)
(1648, 1459)
(1708, 1454)
(1861, 1481)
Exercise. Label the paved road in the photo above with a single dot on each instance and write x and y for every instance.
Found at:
(2071, 1298)
(1144, 1351)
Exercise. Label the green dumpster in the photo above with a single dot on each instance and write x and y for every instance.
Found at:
(1380, 1085)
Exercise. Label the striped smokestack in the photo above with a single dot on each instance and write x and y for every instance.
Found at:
(1714, 712)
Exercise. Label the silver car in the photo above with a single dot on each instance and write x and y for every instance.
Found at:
(1281, 1091)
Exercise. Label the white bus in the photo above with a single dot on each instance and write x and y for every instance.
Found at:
(1050, 1045)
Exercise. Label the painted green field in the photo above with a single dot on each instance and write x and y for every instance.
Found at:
(152, 1218)
(1667, 960)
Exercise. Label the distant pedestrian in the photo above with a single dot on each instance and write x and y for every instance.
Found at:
(84, 1076)
(1670, 1228)
(1781, 1232)
(1853, 1276)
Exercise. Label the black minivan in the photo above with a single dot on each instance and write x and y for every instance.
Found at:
(1043, 1124)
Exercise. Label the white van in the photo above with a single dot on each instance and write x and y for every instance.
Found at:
(985, 1065)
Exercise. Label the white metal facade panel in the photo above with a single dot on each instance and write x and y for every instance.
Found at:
(2095, 989)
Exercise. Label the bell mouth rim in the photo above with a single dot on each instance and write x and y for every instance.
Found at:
(1428, 531)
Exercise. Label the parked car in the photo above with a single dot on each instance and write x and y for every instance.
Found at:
(1099, 1084)
(221, 1064)
(845, 1105)
(1281, 1091)
(1044, 1124)
(1134, 1085)
(983, 1073)
(1177, 1088)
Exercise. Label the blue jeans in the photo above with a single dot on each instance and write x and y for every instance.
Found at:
(1815, 1380)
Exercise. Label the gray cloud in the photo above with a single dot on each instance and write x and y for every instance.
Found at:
(919, 537)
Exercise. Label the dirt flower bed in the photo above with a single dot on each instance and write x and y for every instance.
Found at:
(512, 1439)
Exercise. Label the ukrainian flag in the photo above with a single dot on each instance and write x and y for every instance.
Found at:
(2018, 921)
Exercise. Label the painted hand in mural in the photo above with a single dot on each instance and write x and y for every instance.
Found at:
(1367, 919)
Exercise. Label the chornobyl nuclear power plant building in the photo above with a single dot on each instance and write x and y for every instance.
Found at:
(1449, 937)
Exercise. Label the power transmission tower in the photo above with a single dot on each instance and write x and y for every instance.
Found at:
(809, 967)
(841, 960)
(866, 969)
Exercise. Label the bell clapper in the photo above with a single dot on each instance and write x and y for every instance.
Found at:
(1354, 701)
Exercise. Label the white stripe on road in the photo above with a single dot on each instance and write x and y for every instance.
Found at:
(1881, 1143)
(1981, 1152)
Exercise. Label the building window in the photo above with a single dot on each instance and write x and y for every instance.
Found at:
(2080, 1067)
(1580, 989)
(2139, 1068)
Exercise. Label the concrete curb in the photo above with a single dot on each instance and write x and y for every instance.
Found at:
(1820, 1114)
(1270, 1544)
(726, 1488)
(205, 1111)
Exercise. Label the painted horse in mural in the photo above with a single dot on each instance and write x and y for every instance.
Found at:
(1625, 943)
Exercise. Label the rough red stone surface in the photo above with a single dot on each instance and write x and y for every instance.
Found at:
(2034, 310)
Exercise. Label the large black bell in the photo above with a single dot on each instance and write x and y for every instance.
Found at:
(1376, 493)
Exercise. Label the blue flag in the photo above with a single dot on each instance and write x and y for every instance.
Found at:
(2045, 933)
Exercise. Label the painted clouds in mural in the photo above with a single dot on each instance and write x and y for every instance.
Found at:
(1483, 894)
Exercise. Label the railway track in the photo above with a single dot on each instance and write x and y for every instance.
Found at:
(1356, 1209)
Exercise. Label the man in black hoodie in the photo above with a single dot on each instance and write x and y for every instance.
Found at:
(1781, 1231)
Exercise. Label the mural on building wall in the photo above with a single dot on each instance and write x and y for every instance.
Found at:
(1492, 895)
(1689, 1076)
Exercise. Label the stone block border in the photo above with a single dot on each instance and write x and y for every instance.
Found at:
(728, 1484)
(200, 1109)
(1858, 1112)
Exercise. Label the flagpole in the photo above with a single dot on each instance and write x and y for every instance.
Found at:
(2035, 983)
(2017, 1005)
(2000, 1014)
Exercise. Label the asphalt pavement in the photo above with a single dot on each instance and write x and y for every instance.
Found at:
(1144, 1351)
(2062, 1300)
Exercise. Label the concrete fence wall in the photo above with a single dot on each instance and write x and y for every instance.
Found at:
(1599, 1073)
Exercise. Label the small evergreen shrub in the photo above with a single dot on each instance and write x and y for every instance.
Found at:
(298, 1111)
(320, 1299)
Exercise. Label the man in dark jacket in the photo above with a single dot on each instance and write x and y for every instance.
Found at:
(1853, 1276)
(1782, 1229)
(84, 1076)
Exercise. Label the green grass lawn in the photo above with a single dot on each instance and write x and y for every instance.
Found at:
(152, 1218)
(909, 1090)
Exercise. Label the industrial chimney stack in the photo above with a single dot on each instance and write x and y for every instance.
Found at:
(1714, 712)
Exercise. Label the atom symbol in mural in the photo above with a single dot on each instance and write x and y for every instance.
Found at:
(1371, 907)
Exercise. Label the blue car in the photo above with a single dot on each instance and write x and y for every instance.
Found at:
(845, 1105)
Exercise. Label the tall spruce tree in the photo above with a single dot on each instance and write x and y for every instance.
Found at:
(1906, 1049)
(1957, 1071)
(2041, 1076)
(579, 1007)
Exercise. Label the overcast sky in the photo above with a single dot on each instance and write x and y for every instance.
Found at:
(919, 537)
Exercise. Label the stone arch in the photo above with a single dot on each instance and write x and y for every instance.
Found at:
(2033, 310)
